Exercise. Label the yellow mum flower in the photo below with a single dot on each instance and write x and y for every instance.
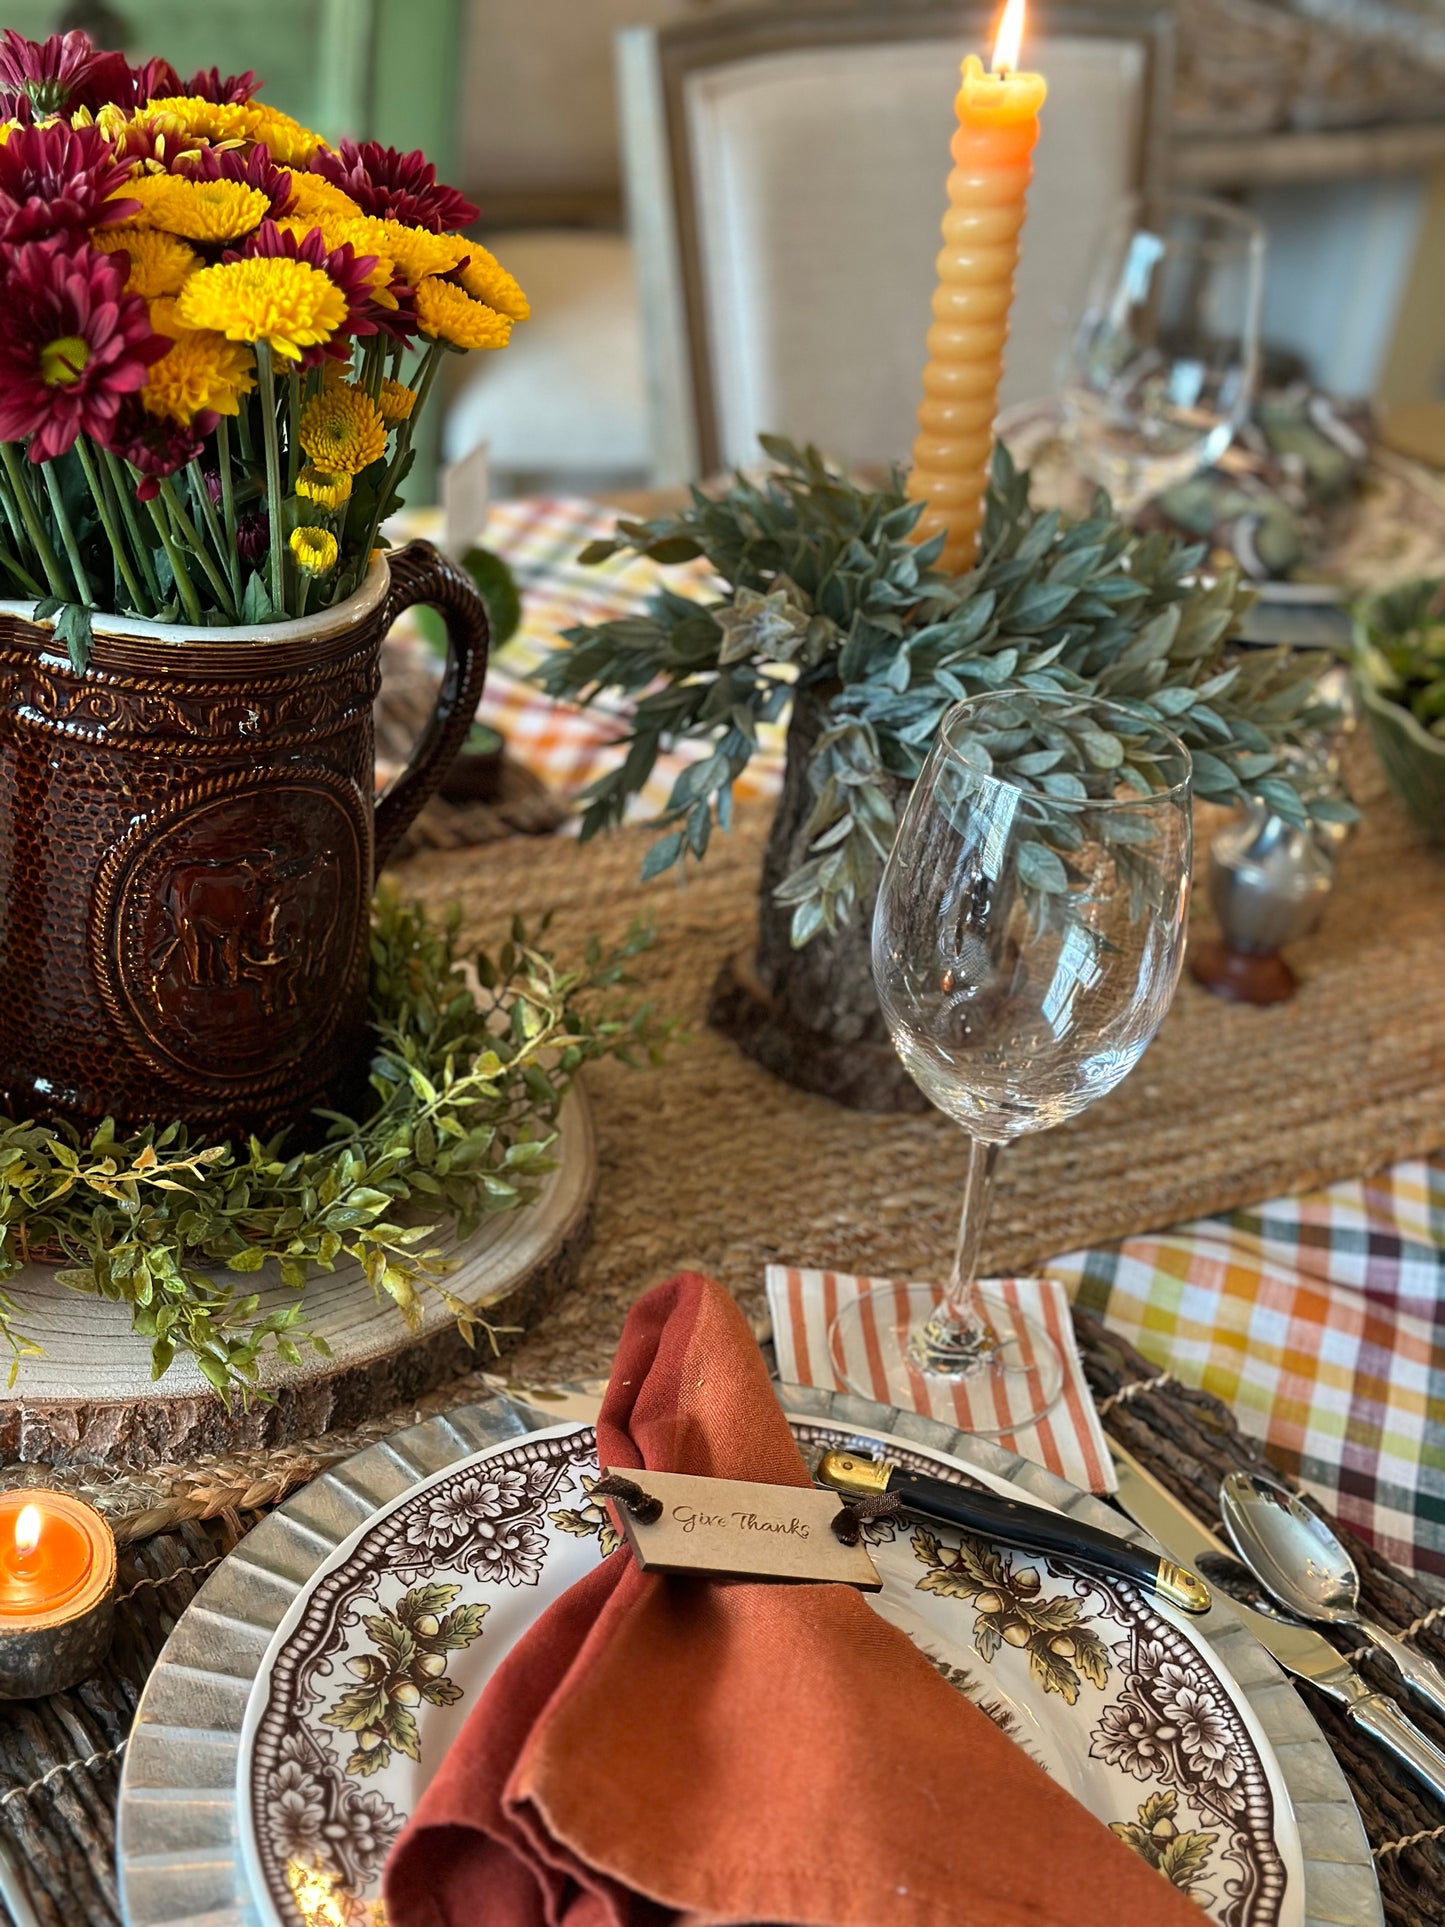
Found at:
(326, 490)
(446, 312)
(314, 550)
(291, 144)
(217, 122)
(315, 195)
(200, 370)
(396, 401)
(159, 263)
(288, 304)
(414, 250)
(150, 190)
(207, 210)
(487, 281)
(328, 227)
(164, 317)
(342, 432)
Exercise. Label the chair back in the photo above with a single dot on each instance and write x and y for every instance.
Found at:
(786, 179)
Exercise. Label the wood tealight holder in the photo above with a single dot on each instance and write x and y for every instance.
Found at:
(57, 1592)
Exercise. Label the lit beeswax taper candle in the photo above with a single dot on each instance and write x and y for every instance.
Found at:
(998, 126)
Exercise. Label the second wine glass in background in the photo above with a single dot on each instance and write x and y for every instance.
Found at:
(1163, 365)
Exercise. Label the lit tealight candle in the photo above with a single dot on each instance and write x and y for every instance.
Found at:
(57, 1587)
(998, 125)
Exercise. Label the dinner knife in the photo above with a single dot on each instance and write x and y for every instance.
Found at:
(1299, 1649)
(1011, 1522)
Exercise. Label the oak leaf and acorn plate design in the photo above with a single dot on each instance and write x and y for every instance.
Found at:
(373, 1671)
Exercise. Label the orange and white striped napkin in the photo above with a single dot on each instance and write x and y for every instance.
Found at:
(1068, 1440)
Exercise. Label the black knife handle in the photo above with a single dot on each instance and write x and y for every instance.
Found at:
(1032, 1529)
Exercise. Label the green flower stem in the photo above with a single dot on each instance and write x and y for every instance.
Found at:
(267, 384)
(248, 439)
(17, 527)
(190, 535)
(293, 429)
(123, 506)
(112, 532)
(211, 522)
(430, 363)
(228, 505)
(22, 576)
(302, 594)
(373, 366)
(175, 558)
(34, 527)
(67, 535)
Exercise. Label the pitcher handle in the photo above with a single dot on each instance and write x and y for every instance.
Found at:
(419, 573)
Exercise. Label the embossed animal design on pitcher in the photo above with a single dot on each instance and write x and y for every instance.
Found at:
(257, 922)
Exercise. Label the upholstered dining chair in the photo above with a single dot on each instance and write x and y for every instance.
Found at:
(785, 175)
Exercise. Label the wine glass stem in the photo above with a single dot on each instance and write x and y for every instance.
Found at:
(959, 1326)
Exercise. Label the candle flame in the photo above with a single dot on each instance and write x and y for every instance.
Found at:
(1010, 39)
(27, 1529)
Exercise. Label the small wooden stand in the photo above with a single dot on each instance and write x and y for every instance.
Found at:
(1239, 977)
(90, 1398)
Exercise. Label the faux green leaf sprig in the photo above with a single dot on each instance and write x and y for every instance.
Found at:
(824, 590)
(472, 1061)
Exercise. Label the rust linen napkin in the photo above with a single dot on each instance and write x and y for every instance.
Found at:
(660, 1749)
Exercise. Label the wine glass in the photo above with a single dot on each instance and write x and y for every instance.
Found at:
(1027, 940)
(1162, 367)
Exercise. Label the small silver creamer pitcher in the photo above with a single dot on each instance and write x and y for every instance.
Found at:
(1269, 883)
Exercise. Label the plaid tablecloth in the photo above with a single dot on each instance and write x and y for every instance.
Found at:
(1320, 1320)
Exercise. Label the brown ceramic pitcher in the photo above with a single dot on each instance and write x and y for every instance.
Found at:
(188, 843)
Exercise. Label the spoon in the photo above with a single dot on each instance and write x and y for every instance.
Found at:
(1294, 1554)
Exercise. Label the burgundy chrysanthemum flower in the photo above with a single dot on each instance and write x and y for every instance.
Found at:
(74, 344)
(155, 446)
(350, 271)
(207, 84)
(395, 186)
(154, 79)
(64, 72)
(255, 169)
(253, 537)
(58, 178)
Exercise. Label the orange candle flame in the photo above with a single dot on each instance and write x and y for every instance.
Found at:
(1010, 39)
(27, 1530)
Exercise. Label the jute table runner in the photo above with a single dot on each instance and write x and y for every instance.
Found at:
(707, 1161)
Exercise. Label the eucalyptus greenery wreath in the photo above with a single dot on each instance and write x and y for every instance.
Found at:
(472, 1061)
(823, 589)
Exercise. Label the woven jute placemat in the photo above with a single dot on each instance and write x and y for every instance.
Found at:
(60, 1759)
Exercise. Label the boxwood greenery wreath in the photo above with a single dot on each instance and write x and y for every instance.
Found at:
(473, 1058)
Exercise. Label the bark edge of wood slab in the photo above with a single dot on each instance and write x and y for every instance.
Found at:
(90, 1400)
(862, 1076)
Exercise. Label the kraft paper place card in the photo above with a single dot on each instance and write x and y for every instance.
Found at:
(732, 1527)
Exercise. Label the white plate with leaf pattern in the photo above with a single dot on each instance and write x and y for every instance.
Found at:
(1193, 1730)
(378, 1663)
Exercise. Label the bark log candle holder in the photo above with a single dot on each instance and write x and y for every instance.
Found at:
(811, 1015)
(57, 1592)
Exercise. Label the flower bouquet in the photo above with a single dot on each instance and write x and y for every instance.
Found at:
(219, 333)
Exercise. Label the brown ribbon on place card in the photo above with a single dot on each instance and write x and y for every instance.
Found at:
(733, 1528)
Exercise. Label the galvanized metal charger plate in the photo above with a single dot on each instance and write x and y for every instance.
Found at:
(179, 1853)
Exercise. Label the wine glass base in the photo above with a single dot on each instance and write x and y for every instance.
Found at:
(882, 1347)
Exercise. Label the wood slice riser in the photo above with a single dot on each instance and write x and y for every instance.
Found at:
(152, 1425)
